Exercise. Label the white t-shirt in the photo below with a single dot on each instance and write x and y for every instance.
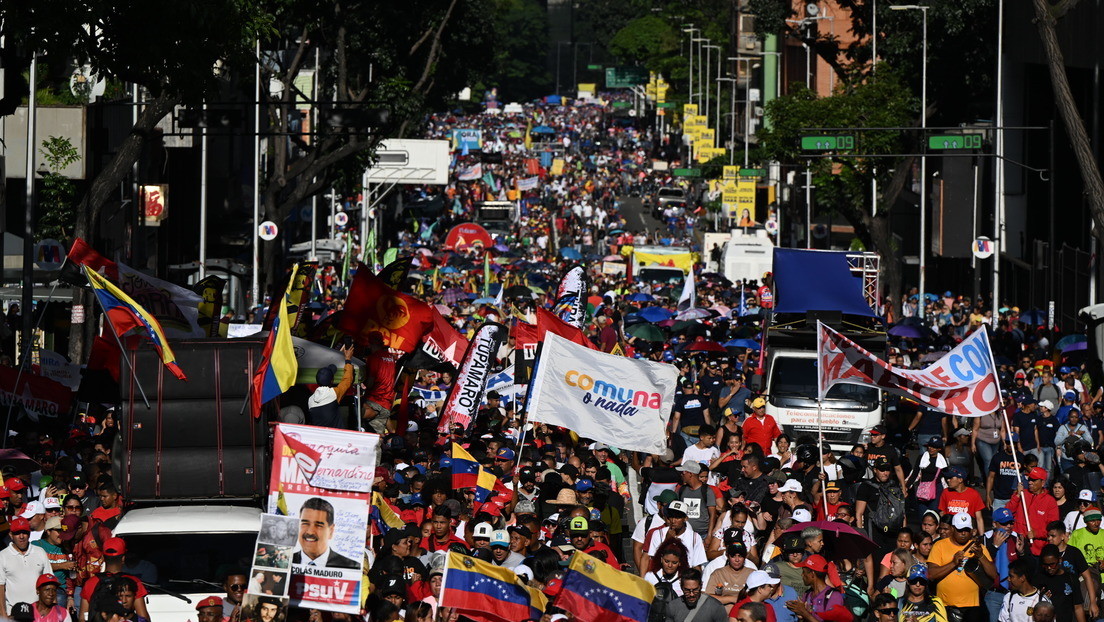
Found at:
(694, 546)
(694, 453)
(19, 571)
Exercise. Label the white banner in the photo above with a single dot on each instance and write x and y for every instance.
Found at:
(175, 307)
(471, 381)
(612, 399)
(964, 382)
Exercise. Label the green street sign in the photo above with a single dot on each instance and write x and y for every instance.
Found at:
(828, 143)
(594, 67)
(686, 172)
(753, 172)
(956, 141)
(622, 104)
(625, 77)
(666, 105)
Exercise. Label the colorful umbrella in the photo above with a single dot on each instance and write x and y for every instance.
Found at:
(695, 314)
(1069, 340)
(706, 346)
(647, 332)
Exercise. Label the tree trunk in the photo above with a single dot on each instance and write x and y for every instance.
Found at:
(88, 212)
(1046, 18)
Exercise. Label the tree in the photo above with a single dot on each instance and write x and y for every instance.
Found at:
(1046, 18)
(57, 197)
(646, 41)
(520, 65)
(842, 185)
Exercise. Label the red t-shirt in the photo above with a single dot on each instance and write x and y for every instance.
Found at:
(89, 588)
(381, 377)
(762, 432)
(968, 501)
(734, 612)
(431, 546)
(595, 545)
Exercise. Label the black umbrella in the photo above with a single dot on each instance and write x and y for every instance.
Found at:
(518, 291)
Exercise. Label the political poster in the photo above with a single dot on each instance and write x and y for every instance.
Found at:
(471, 381)
(322, 480)
(571, 297)
(615, 400)
(467, 139)
(38, 396)
(963, 382)
(266, 593)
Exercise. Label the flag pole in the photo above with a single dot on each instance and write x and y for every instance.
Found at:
(1007, 427)
(821, 391)
(133, 374)
(26, 354)
(820, 447)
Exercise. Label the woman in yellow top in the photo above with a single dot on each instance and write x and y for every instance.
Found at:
(918, 604)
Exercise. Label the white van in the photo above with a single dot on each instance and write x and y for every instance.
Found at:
(190, 545)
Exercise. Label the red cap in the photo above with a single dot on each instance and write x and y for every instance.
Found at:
(114, 547)
(4, 493)
(46, 579)
(815, 562)
(20, 524)
(14, 484)
(210, 601)
(1037, 473)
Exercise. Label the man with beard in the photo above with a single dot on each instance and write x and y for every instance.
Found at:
(316, 529)
(708, 609)
(267, 609)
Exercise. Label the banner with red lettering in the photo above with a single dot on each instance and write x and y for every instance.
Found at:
(963, 382)
(321, 479)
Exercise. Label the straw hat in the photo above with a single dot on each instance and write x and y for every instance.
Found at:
(566, 496)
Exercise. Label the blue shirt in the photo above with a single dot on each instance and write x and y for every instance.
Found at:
(779, 605)
(1026, 423)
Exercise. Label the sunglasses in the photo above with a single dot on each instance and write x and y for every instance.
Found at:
(236, 587)
(916, 582)
(888, 611)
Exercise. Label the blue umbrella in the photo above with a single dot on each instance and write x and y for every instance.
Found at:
(542, 129)
(1035, 317)
(655, 314)
(640, 297)
(570, 254)
(742, 343)
(484, 301)
(909, 331)
(1069, 340)
(449, 270)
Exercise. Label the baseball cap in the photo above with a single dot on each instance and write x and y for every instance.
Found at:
(1070, 395)
(19, 524)
(677, 507)
(210, 601)
(584, 484)
(878, 429)
(1047, 404)
(33, 509)
(732, 535)
(500, 538)
(882, 464)
(956, 472)
(521, 530)
(483, 530)
(54, 522)
(962, 520)
(114, 547)
(506, 454)
(758, 402)
(46, 579)
(579, 524)
(666, 497)
(690, 467)
(801, 515)
(791, 485)
(14, 484)
(935, 442)
(1002, 516)
(1037, 473)
(736, 548)
(1086, 495)
(831, 486)
(51, 503)
(1027, 400)
(815, 563)
(772, 570)
(561, 542)
(918, 572)
(23, 612)
(760, 578)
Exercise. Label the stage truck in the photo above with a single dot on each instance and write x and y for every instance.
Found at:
(840, 289)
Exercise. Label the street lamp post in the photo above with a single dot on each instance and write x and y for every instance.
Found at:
(703, 89)
(718, 48)
(923, 158)
(691, 31)
(731, 117)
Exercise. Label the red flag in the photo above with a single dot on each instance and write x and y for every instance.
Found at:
(524, 334)
(84, 255)
(448, 341)
(372, 306)
(548, 322)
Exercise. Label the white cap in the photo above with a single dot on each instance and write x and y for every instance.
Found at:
(962, 520)
(801, 515)
(1086, 495)
(759, 578)
(1047, 404)
(483, 530)
(500, 537)
(524, 571)
(51, 503)
(676, 506)
(33, 508)
(791, 485)
(411, 426)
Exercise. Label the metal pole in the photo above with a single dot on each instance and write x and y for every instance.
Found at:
(874, 38)
(333, 213)
(732, 119)
(203, 195)
(690, 96)
(256, 284)
(27, 311)
(809, 206)
(1050, 227)
(314, 127)
(874, 193)
(923, 167)
(998, 215)
(974, 235)
(705, 87)
(747, 113)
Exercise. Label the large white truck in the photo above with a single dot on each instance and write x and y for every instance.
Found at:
(837, 288)
(747, 255)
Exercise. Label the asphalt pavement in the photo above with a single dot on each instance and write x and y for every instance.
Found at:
(636, 215)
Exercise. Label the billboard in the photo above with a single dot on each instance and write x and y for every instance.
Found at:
(410, 161)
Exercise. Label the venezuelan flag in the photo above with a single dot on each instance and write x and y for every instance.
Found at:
(278, 367)
(124, 315)
(485, 484)
(594, 591)
(465, 469)
(471, 585)
(384, 518)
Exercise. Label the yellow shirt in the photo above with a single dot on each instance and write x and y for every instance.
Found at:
(956, 589)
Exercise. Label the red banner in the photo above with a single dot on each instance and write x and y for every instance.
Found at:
(372, 306)
(41, 397)
(466, 235)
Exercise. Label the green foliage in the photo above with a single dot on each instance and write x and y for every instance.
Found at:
(645, 41)
(882, 101)
(57, 194)
(519, 69)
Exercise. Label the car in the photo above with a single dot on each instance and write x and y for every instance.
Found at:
(189, 545)
(666, 196)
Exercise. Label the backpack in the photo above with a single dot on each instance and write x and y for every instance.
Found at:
(856, 599)
(665, 593)
(890, 508)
